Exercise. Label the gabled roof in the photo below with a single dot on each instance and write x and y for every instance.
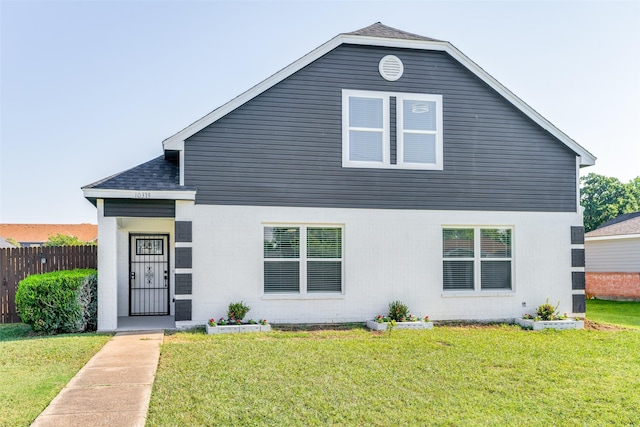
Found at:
(376, 35)
(40, 232)
(623, 225)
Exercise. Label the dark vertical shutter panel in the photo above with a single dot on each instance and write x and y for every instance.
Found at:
(579, 303)
(183, 309)
(183, 258)
(183, 284)
(577, 257)
(393, 132)
(183, 231)
(577, 235)
(578, 280)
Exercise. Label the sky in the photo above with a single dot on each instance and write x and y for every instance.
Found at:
(92, 88)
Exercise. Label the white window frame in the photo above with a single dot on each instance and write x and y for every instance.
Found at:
(400, 131)
(477, 261)
(346, 128)
(303, 262)
(386, 131)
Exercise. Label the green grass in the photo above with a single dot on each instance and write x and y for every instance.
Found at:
(624, 313)
(449, 376)
(33, 369)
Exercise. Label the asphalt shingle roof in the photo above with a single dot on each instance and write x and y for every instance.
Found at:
(156, 174)
(620, 225)
(383, 31)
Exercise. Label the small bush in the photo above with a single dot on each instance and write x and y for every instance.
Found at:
(547, 311)
(398, 311)
(237, 311)
(60, 301)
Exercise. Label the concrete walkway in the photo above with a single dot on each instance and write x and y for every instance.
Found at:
(113, 388)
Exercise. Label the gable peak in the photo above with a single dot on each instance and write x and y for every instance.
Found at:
(383, 31)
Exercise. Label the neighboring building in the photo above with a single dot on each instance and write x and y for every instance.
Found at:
(381, 166)
(613, 259)
(30, 235)
(5, 244)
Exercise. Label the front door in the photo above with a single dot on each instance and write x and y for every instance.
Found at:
(149, 275)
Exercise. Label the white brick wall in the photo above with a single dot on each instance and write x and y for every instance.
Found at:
(389, 254)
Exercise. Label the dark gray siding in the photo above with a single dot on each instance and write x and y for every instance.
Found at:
(578, 280)
(140, 208)
(184, 258)
(284, 147)
(577, 257)
(183, 283)
(183, 231)
(577, 235)
(183, 309)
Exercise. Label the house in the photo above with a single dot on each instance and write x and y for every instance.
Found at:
(381, 166)
(33, 235)
(612, 254)
(5, 244)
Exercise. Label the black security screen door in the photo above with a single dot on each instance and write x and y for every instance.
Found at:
(149, 275)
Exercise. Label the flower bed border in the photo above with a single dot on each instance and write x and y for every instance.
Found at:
(372, 324)
(234, 329)
(538, 325)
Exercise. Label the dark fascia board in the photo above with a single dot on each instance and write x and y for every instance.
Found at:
(176, 142)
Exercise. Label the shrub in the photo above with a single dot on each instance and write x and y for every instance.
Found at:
(237, 311)
(398, 311)
(547, 311)
(60, 301)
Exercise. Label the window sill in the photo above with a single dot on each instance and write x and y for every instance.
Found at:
(475, 294)
(382, 165)
(318, 296)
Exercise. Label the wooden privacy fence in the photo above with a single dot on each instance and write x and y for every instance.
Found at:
(18, 263)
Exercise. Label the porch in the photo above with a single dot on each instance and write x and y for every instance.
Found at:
(145, 323)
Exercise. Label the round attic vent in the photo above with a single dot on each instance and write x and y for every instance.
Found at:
(391, 68)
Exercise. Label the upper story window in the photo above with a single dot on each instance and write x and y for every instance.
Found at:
(367, 130)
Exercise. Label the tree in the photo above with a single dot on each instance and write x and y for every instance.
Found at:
(604, 198)
(65, 240)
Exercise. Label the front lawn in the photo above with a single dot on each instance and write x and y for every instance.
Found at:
(450, 376)
(33, 369)
(624, 313)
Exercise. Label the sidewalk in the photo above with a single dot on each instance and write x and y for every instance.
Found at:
(113, 388)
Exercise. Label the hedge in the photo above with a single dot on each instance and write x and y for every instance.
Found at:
(60, 301)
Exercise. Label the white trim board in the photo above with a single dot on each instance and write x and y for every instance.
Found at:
(99, 193)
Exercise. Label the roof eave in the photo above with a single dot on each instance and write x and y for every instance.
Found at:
(612, 237)
(107, 193)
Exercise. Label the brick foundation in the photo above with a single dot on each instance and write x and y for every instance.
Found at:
(616, 286)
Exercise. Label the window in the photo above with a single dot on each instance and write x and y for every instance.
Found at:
(367, 129)
(303, 259)
(477, 259)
